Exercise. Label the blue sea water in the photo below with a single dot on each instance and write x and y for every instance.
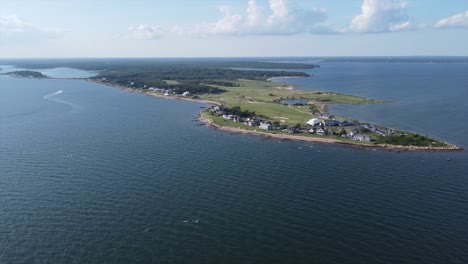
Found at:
(94, 174)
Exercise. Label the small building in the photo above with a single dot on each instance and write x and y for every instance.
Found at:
(311, 131)
(320, 132)
(228, 117)
(313, 121)
(186, 93)
(266, 126)
(346, 123)
(236, 118)
(361, 137)
(331, 122)
(292, 129)
(251, 122)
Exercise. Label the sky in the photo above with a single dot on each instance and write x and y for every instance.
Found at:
(232, 28)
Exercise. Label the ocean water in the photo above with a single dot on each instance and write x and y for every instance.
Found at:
(60, 73)
(94, 174)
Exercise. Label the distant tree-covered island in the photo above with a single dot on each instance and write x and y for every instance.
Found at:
(27, 74)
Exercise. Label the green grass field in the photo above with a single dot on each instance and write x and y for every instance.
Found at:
(262, 97)
(259, 96)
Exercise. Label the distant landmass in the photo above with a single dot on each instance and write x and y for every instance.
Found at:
(27, 74)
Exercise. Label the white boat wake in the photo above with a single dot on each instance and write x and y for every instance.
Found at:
(52, 94)
(51, 97)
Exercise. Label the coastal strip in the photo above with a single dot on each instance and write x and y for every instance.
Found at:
(209, 123)
(357, 144)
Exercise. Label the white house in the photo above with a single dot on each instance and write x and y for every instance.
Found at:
(251, 122)
(320, 132)
(186, 93)
(362, 137)
(313, 121)
(266, 126)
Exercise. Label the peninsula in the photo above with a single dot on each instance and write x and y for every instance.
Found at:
(245, 100)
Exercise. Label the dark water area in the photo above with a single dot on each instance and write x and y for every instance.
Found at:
(94, 174)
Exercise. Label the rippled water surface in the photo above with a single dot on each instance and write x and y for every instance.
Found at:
(93, 174)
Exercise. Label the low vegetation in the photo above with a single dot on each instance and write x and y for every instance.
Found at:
(410, 139)
(27, 74)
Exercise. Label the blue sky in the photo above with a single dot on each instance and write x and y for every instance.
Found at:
(211, 28)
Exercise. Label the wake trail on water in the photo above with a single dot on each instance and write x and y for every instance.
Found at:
(51, 97)
(52, 94)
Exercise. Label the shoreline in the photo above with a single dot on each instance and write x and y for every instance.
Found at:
(209, 123)
(286, 77)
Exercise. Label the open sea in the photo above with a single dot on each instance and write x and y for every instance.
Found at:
(95, 174)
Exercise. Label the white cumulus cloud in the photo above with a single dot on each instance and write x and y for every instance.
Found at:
(381, 16)
(14, 29)
(143, 31)
(12, 23)
(280, 17)
(455, 21)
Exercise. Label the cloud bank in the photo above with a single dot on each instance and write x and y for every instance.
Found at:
(13, 29)
(455, 21)
(280, 17)
(143, 31)
(379, 16)
(286, 17)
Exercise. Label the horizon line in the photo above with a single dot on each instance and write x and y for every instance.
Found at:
(241, 57)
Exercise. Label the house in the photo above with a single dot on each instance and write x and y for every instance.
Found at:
(320, 132)
(313, 121)
(331, 122)
(266, 126)
(228, 117)
(236, 118)
(186, 93)
(311, 130)
(361, 137)
(346, 123)
(292, 129)
(251, 122)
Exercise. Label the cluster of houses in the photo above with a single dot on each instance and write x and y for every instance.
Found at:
(320, 127)
(376, 129)
(167, 92)
(317, 126)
